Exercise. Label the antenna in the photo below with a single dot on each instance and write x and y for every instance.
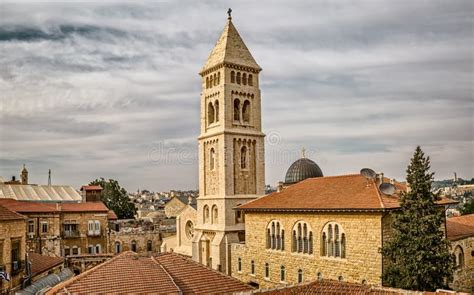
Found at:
(387, 188)
(49, 177)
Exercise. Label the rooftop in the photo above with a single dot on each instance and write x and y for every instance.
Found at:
(41, 263)
(167, 273)
(30, 206)
(460, 227)
(29, 192)
(91, 188)
(6, 214)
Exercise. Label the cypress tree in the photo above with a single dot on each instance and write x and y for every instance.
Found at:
(417, 255)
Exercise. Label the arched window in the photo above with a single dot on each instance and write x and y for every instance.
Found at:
(149, 246)
(118, 248)
(335, 245)
(207, 82)
(250, 80)
(267, 270)
(243, 158)
(134, 246)
(212, 159)
(244, 79)
(206, 214)
(252, 267)
(218, 78)
(239, 264)
(211, 81)
(232, 77)
(236, 110)
(98, 249)
(214, 214)
(282, 273)
(210, 113)
(300, 276)
(246, 111)
(90, 249)
(216, 107)
(238, 78)
(275, 236)
(459, 256)
(302, 238)
(215, 79)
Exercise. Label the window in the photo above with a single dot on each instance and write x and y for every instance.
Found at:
(275, 236)
(44, 227)
(97, 227)
(207, 82)
(267, 270)
(75, 250)
(90, 249)
(246, 111)
(206, 214)
(218, 78)
(300, 276)
(243, 158)
(31, 226)
(236, 110)
(252, 267)
(216, 107)
(239, 215)
(232, 77)
(249, 80)
(211, 81)
(212, 159)
(238, 78)
(239, 264)
(134, 246)
(15, 255)
(215, 80)
(118, 248)
(459, 256)
(244, 79)
(282, 273)
(67, 251)
(214, 214)
(210, 113)
(302, 238)
(98, 249)
(189, 230)
(90, 227)
(333, 241)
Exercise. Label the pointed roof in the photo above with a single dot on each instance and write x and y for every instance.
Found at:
(230, 48)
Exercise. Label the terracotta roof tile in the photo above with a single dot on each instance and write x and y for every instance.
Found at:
(33, 206)
(87, 206)
(6, 214)
(460, 227)
(41, 263)
(111, 215)
(91, 188)
(343, 192)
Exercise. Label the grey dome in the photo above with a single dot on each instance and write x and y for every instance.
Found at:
(302, 169)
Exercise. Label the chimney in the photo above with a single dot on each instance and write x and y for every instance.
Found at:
(280, 186)
(379, 178)
(190, 200)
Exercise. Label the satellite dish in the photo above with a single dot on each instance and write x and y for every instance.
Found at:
(387, 188)
(368, 173)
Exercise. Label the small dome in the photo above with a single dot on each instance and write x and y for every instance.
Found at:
(302, 169)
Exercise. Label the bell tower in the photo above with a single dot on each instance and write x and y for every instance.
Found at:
(231, 148)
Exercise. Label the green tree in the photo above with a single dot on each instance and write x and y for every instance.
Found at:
(115, 198)
(468, 208)
(418, 254)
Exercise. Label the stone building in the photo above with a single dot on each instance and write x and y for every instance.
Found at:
(12, 248)
(460, 232)
(319, 228)
(231, 151)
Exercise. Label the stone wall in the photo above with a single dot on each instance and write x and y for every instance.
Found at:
(11, 231)
(125, 240)
(363, 262)
(464, 276)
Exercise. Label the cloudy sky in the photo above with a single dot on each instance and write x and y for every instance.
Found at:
(112, 90)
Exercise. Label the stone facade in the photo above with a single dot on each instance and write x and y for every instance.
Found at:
(362, 262)
(12, 236)
(463, 249)
(145, 243)
(43, 233)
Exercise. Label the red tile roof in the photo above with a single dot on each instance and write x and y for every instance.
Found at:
(87, 206)
(42, 207)
(91, 188)
(460, 227)
(41, 263)
(111, 215)
(6, 214)
(167, 273)
(343, 192)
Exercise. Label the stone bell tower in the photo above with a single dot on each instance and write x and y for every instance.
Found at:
(231, 148)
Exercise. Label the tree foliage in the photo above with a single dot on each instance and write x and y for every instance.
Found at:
(115, 198)
(468, 208)
(417, 255)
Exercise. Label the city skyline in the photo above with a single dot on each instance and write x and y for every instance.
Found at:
(112, 90)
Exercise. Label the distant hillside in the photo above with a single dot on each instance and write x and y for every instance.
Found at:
(450, 182)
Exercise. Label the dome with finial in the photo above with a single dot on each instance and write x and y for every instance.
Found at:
(302, 169)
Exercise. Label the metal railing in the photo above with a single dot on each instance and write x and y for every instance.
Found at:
(68, 234)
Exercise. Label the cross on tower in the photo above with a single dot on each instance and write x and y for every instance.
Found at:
(229, 12)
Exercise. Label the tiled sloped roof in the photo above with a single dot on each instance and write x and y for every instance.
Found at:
(30, 206)
(91, 187)
(460, 227)
(27, 192)
(41, 263)
(126, 273)
(6, 214)
(87, 206)
(194, 278)
(343, 192)
(230, 48)
(111, 215)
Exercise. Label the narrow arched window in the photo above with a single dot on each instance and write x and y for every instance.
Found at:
(300, 239)
(211, 81)
(243, 158)
(218, 78)
(238, 78)
(215, 79)
(273, 236)
(206, 214)
(305, 239)
(278, 241)
(134, 246)
(212, 159)
(310, 243)
(207, 82)
(337, 250)
(330, 241)
(269, 243)
(300, 276)
(98, 249)
(267, 270)
(293, 244)
(250, 80)
(210, 113)
(236, 110)
(232, 77)
(214, 214)
(246, 111)
(244, 79)
(252, 267)
(343, 246)
(239, 264)
(324, 248)
(335, 245)
(282, 240)
(216, 107)
(282, 273)
(117, 248)
(459, 256)
(149, 246)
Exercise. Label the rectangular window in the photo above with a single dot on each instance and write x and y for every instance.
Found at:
(97, 227)
(97, 249)
(15, 256)
(75, 251)
(239, 265)
(31, 226)
(90, 249)
(67, 251)
(44, 227)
